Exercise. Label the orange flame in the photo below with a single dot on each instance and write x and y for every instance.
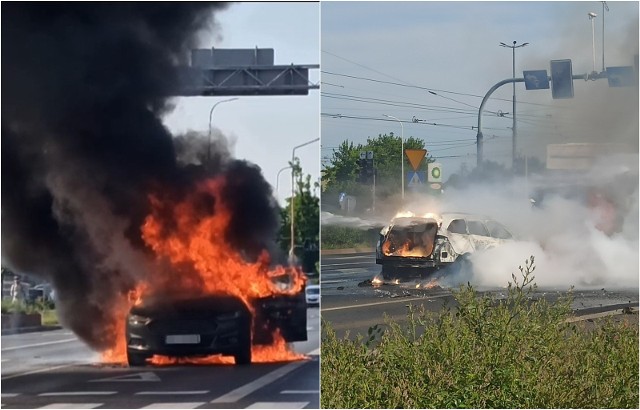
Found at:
(200, 261)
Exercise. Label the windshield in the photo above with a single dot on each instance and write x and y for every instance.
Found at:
(313, 291)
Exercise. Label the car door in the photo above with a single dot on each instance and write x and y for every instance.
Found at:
(284, 313)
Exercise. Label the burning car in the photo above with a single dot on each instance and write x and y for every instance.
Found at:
(211, 324)
(423, 245)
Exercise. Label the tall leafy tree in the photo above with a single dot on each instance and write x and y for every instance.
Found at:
(342, 172)
(306, 209)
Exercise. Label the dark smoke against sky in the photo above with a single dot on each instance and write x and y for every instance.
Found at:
(83, 144)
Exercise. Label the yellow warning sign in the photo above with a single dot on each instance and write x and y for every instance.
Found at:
(415, 157)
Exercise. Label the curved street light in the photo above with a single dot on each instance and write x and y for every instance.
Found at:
(293, 153)
(210, 114)
(278, 181)
(401, 150)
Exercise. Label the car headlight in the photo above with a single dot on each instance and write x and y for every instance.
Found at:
(138, 320)
(229, 316)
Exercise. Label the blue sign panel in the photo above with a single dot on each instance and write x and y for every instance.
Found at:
(621, 76)
(536, 80)
(416, 178)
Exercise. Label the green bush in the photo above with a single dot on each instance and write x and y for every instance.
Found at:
(513, 353)
(340, 237)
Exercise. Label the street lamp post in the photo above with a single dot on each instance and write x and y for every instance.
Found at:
(401, 151)
(514, 132)
(592, 17)
(210, 114)
(293, 154)
(278, 181)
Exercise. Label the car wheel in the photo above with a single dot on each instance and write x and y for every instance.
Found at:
(461, 271)
(243, 355)
(388, 273)
(137, 359)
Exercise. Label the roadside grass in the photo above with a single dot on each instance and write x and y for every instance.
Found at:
(340, 237)
(485, 353)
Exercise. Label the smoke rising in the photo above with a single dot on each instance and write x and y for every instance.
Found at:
(574, 242)
(83, 145)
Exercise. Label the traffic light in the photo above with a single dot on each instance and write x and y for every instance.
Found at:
(561, 79)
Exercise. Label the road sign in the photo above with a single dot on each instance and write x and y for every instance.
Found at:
(369, 154)
(415, 157)
(363, 155)
(621, 76)
(435, 172)
(561, 79)
(416, 178)
(536, 80)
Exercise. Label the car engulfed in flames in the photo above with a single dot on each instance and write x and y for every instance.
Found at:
(434, 244)
(207, 301)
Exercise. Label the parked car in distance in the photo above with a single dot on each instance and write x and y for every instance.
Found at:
(423, 245)
(313, 295)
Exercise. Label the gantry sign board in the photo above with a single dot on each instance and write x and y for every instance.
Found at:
(242, 72)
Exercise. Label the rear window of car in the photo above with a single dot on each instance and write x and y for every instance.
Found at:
(477, 228)
(313, 291)
(457, 226)
(497, 230)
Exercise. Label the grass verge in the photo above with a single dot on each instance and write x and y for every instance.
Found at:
(341, 237)
(512, 353)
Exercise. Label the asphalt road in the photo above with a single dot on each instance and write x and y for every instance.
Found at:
(351, 306)
(53, 369)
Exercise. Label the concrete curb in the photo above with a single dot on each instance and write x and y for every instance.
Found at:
(346, 251)
(19, 330)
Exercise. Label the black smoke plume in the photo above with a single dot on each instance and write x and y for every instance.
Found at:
(85, 86)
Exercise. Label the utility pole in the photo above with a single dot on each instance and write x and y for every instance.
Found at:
(514, 132)
(604, 7)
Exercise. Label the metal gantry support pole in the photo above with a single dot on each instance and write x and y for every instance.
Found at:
(514, 131)
(293, 154)
(401, 151)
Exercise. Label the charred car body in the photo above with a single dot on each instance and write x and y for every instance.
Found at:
(212, 324)
(423, 246)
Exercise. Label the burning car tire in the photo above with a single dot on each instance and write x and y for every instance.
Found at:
(243, 355)
(136, 359)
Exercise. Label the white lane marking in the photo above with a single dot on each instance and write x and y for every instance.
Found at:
(136, 377)
(179, 405)
(399, 300)
(349, 271)
(8, 395)
(300, 392)
(5, 360)
(46, 369)
(342, 263)
(6, 349)
(326, 282)
(171, 393)
(278, 405)
(71, 406)
(242, 391)
(78, 393)
(314, 352)
(347, 257)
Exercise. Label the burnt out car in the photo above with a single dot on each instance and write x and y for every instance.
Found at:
(435, 243)
(212, 324)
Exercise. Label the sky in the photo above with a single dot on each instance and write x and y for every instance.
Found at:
(452, 49)
(263, 129)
